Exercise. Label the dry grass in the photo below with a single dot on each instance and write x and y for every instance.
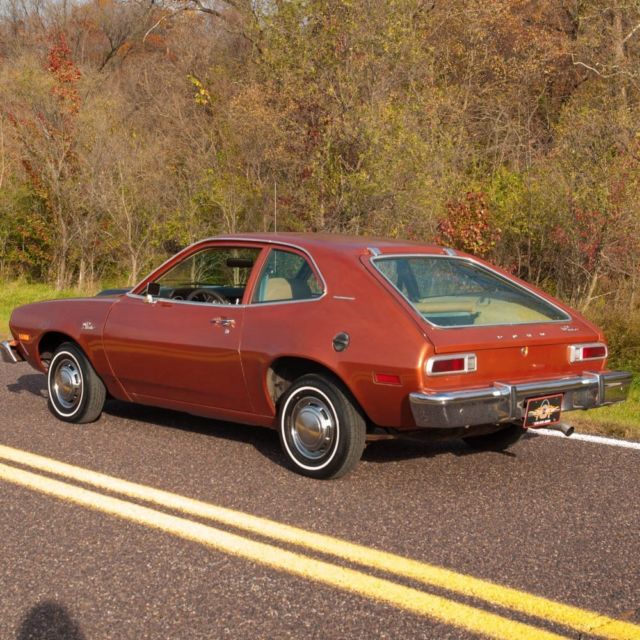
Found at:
(620, 420)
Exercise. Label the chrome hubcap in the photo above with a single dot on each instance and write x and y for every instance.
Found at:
(312, 427)
(67, 383)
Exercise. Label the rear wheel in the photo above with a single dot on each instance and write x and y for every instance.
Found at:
(76, 393)
(499, 440)
(322, 431)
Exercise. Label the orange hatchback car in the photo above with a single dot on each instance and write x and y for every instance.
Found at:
(331, 340)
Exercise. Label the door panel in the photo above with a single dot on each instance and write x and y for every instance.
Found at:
(177, 351)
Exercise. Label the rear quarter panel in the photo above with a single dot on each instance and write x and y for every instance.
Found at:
(383, 338)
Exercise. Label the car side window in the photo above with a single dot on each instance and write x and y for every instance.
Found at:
(287, 276)
(216, 275)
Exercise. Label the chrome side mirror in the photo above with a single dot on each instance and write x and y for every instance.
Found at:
(153, 291)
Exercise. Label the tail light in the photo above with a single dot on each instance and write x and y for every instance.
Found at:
(451, 364)
(591, 351)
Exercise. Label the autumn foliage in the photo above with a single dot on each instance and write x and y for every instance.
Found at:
(65, 73)
(468, 226)
(506, 128)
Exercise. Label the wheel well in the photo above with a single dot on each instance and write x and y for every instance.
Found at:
(284, 371)
(49, 343)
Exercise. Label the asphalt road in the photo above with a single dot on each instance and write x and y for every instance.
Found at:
(556, 521)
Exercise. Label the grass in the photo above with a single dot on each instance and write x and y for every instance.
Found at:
(621, 420)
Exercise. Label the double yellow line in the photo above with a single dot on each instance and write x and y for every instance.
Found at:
(356, 581)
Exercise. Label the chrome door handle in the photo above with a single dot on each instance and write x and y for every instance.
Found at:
(224, 322)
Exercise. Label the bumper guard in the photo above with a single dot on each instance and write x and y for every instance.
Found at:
(9, 352)
(504, 402)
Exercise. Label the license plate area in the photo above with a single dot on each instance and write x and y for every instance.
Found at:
(543, 411)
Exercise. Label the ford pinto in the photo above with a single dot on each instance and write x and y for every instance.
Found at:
(331, 340)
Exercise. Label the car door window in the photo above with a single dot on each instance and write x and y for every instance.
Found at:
(216, 275)
(287, 276)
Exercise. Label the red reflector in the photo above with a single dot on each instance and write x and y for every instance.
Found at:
(447, 366)
(598, 351)
(386, 378)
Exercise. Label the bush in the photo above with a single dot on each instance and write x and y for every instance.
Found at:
(623, 335)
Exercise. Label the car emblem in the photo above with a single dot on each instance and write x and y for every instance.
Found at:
(524, 351)
(88, 326)
(567, 327)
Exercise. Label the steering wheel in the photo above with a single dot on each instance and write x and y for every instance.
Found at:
(206, 295)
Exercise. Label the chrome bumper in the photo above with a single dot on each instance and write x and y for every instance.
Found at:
(504, 402)
(9, 352)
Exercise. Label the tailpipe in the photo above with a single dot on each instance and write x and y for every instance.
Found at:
(566, 429)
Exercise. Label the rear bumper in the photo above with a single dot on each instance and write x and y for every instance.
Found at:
(503, 402)
(10, 352)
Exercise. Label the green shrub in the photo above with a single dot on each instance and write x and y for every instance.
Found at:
(623, 335)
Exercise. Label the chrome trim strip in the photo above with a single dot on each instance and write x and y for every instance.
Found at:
(250, 304)
(216, 305)
(374, 251)
(482, 266)
(470, 364)
(238, 239)
(449, 251)
(506, 402)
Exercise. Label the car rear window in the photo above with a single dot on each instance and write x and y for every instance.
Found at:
(456, 292)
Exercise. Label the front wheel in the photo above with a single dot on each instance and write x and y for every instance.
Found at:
(322, 431)
(76, 393)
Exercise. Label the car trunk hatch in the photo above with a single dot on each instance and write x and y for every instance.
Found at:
(516, 351)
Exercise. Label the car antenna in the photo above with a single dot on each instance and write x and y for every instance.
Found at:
(275, 207)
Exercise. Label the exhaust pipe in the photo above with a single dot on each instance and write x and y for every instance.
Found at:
(566, 429)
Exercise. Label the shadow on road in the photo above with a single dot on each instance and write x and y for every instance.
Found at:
(264, 440)
(398, 450)
(34, 383)
(411, 449)
(49, 620)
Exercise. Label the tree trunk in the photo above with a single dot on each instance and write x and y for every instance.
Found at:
(133, 275)
(82, 273)
(61, 271)
(592, 289)
(620, 58)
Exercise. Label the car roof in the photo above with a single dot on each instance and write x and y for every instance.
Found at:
(338, 242)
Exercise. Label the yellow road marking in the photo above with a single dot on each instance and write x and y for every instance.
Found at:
(413, 600)
(581, 620)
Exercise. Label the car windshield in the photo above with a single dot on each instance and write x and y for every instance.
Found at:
(455, 292)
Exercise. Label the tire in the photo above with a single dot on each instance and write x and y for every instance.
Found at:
(76, 393)
(322, 431)
(499, 440)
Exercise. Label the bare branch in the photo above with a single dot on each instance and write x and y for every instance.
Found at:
(167, 16)
(630, 34)
(2, 159)
(620, 72)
